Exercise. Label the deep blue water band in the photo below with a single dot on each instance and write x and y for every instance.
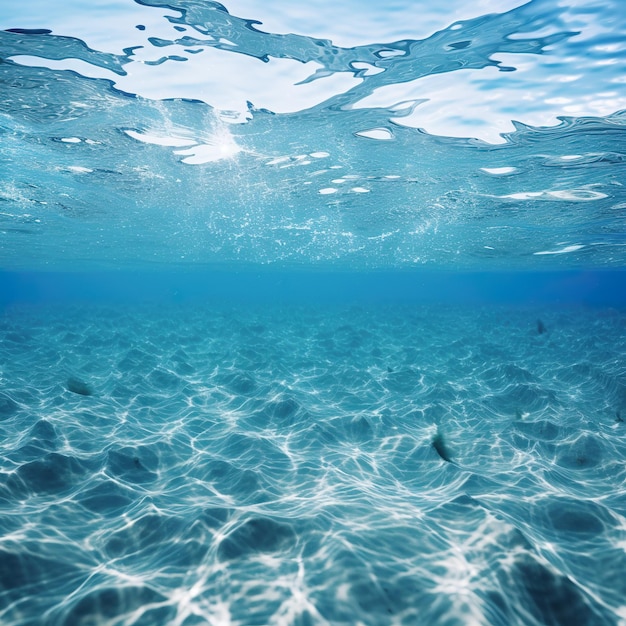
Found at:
(592, 288)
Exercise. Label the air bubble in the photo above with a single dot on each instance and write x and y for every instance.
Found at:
(381, 134)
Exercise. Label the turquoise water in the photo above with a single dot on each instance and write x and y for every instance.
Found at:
(312, 315)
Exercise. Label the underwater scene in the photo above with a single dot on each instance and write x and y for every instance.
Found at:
(312, 314)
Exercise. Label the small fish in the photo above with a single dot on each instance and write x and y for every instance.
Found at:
(440, 447)
(541, 327)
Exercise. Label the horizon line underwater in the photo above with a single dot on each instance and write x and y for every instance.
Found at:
(312, 314)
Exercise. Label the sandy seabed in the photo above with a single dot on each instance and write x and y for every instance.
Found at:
(312, 465)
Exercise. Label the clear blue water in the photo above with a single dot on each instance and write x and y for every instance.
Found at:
(314, 314)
